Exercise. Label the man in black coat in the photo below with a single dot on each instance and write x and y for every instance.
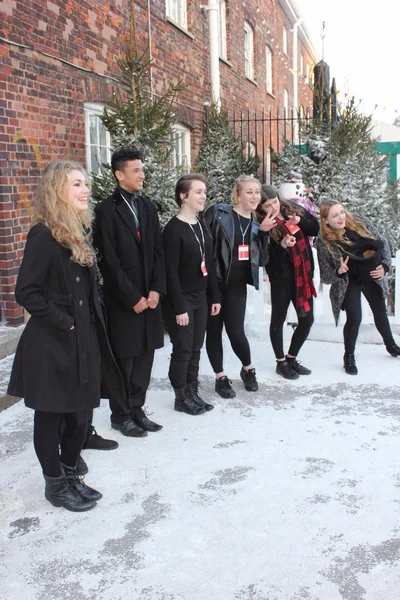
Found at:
(127, 237)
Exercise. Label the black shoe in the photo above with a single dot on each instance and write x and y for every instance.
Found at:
(393, 348)
(94, 441)
(193, 388)
(249, 379)
(129, 428)
(224, 388)
(283, 368)
(146, 424)
(59, 492)
(76, 483)
(82, 467)
(185, 403)
(296, 366)
(349, 364)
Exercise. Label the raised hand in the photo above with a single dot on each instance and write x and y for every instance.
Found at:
(343, 265)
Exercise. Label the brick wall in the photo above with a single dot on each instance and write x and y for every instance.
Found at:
(42, 96)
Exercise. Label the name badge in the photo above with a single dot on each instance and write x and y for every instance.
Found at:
(293, 228)
(243, 252)
(203, 267)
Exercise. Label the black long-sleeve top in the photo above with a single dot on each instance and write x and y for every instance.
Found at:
(183, 263)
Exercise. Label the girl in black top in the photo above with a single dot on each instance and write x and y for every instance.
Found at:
(290, 270)
(240, 247)
(190, 274)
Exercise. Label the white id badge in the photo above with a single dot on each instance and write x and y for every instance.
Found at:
(203, 267)
(243, 252)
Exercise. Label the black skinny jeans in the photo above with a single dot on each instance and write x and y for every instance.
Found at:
(281, 296)
(187, 340)
(352, 305)
(46, 439)
(232, 315)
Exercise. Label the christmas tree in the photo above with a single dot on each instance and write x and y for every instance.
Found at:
(222, 156)
(138, 117)
(343, 164)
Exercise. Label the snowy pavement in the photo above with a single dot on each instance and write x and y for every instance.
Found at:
(289, 493)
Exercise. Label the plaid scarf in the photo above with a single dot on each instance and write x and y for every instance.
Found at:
(304, 287)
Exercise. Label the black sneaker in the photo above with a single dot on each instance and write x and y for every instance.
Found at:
(349, 364)
(393, 348)
(249, 379)
(283, 368)
(94, 441)
(81, 466)
(296, 366)
(224, 388)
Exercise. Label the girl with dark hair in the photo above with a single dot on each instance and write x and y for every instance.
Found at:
(57, 367)
(290, 270)
(353, 257)
(190, 275)
(240, 247)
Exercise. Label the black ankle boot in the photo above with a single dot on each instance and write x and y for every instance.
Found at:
(76, 483)
(193, 388)
(349, 363)
(185, 403)
(59, 493)
(392, 348)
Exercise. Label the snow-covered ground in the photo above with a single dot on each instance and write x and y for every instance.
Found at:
(289, 493)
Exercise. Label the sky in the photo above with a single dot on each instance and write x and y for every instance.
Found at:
(362, 48)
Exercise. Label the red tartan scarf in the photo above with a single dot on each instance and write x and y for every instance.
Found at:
(304, 287)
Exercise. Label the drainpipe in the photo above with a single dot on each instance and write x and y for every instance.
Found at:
(295, 78)
(213, 24)
(150, 49)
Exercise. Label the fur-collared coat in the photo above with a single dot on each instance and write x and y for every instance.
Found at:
(329, 266)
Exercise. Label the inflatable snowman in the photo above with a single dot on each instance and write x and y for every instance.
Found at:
(294, 189)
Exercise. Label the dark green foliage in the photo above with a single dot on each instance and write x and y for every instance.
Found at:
(222, 157)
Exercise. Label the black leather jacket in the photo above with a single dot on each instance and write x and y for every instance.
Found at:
(219, 219)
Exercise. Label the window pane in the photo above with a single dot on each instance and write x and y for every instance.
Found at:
(93, 132)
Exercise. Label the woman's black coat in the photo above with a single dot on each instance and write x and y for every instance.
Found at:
(57, 369)
(220, 221)
(131, 268)
(280, 265)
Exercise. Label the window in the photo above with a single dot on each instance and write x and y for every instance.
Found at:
(248, 51)
(284, 41)
(97, 139)
(176, 10)
(285, 103)
(180, 156)
(307, 73)
(268, 70)
(301, 64)
(250, 150)
(268, 166)
(222, 29)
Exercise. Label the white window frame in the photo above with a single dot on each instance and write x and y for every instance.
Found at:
(250, 150)
(286, 102)
(222, 29)
(248, 51)
(95, 110)
(285, 40)
(268, 166)
(308, 73)
(180, 158)
(176, 10)
(268, 70)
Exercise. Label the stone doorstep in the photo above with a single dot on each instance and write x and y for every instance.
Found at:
(9, 337)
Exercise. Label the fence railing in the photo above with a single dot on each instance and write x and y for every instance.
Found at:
(259, 302)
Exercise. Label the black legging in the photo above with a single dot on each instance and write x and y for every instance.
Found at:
(281, 296)
(232, 315)
(352, 305)
(46, 439)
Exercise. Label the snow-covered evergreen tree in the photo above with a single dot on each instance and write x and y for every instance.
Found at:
(343, 164)
(144, 120)
(222, 157)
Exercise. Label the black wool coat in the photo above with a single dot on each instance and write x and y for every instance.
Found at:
(131, 268)
(57, 369)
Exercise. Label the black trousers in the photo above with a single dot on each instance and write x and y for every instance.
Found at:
(281, 296)
(352, 305)
(232, 315)
(187, 341)
(46, 439)
(136, 373)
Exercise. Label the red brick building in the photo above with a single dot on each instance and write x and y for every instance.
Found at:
(58, 69)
